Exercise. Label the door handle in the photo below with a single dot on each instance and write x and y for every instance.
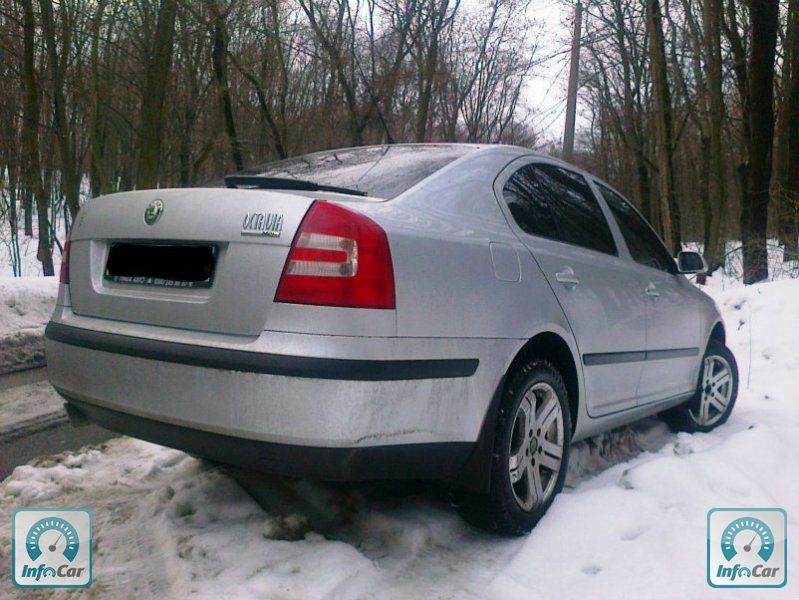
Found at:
(651, 290)
(567, 276)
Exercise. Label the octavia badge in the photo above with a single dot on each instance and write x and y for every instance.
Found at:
(153, 211)
(268, 224)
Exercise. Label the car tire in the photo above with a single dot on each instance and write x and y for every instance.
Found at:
(716, 392)
(533, 424)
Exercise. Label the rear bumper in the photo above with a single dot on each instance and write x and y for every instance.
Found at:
(318, 406)
(401, 461)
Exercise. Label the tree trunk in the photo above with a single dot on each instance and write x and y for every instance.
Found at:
(98, 178)
(219, 59)
(789, 214)
(13, 221)
(30, 138)
(152, 105)
(764, 19)
(429, 55)
(27, 208)
(669, 210)
(717, 201)
(710, 217)
(70, 171)
(426, 77)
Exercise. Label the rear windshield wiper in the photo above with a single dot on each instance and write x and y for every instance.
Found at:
(281, 183)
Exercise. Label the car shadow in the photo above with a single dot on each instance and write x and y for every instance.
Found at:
(334, 509)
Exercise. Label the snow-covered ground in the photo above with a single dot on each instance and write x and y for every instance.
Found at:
(26, 304)
(28, 408)
(630, 523)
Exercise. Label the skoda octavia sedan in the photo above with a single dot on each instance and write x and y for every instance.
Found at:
(453, 312)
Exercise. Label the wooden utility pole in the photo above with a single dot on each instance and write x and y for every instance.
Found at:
(574, 73)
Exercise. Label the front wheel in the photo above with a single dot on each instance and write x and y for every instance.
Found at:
(715, 395)
(531, 452)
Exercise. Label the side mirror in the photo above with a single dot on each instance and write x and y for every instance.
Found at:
(689, 261)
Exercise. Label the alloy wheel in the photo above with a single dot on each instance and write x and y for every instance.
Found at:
(536, 446)
(716, 391)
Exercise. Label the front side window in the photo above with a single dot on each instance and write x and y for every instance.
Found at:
(556, 203)
(644, 245)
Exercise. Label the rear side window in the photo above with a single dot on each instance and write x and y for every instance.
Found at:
(527, 202)
(552, 202)
(644, 246)
(379, 171)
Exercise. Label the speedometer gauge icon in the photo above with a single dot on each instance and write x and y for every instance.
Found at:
(63, 539)
(753, 529)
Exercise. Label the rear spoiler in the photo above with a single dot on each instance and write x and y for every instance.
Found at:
(280, 183)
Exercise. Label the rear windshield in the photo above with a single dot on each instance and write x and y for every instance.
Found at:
(380, 171)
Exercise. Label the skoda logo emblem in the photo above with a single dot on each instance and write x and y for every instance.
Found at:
(153, 211)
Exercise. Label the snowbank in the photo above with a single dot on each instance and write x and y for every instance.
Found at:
(26, 304)
(25, 409)
(630, 523)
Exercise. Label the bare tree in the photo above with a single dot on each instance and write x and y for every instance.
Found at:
(788, 222)
(717, 200)
(152, 102)
(219, 36)
(30, 138)
(432, 18)
(332, 27)
(759, 112)
(70, 170)
(669, 210)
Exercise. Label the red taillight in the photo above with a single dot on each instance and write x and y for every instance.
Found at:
(64, 275)
(338, 258)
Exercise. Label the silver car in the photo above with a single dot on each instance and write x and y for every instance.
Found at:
(451, 312)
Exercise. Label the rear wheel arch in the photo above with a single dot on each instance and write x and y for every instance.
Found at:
(718, 333)
(553, 348)
(548, 346)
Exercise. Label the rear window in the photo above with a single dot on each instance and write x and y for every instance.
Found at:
(380, 171)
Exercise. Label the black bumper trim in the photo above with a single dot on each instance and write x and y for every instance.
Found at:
(403, 461)
(228, 359)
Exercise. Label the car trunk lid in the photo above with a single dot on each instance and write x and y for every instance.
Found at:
(200, 259)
